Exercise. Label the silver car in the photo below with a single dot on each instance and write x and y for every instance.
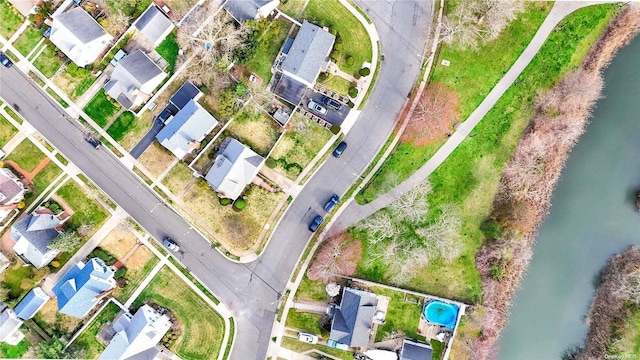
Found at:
(314, 106)
(308, 338)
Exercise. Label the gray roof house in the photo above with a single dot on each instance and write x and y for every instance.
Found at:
(82, 287)
(309, 54)
(243, 10)
(154, 25)
(11, 192)
(33, 234)
(137, 335)
(79, 36)
(413, 350)
(10, 326)
(184, 132)
(31, 303)
(133, 80)
(234, 167)
(352, 320)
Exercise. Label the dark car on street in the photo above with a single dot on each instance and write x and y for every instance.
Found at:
(339, 149)
(93, 141)
(331, 203)
(4, 60)
(315, 223)
(334, 104)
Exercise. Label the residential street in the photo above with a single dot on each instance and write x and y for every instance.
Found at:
(251, 290)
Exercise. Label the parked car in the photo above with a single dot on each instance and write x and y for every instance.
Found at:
(165, 115)
(331, 203)
(308, 338)
(93, 141)
(315, 223)
(314, 106)
(334, 104)
(4, 60)
(170, 244)
(336, 345)
(339, 149)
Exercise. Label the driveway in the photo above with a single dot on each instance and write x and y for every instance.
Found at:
(335, 117)
(147, 139)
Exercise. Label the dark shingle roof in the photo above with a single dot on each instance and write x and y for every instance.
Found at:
(412, 350)
(153, 23)
(39, 230)
(186, 92)
(139, 68)
(352, 320)
(80, 24)
(308, 52)
(243, 10)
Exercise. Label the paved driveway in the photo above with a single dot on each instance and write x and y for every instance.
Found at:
(147, 139)
(335, 117)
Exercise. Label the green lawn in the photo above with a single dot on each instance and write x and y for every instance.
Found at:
(355, 40)
(7, 131)
(263, 58)
(45, 177)
(291, 7)
(134, 278)
(626, 333)
(470, 175)
(337, 84)
(74, 80)
(401, 315)
(10, 19)
(48, 62)
(20, 279)
(178, 178)
(27, 155)
(471, 76)
(14, 352)
(256, 130)
(311, 290)
(201, 328)
(123, 123)
(87, 339)
(168, 49)
(28, 40)
(301, 142)
(101, 109)
(306, 322)
(86, 210)
(300, 347)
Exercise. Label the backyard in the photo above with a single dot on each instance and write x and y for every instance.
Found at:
(101, 109)
(86, 210)
(48, 62)
(355, 40)
(54, 322)
(10, 19)
(19, 279)
(87, 339)
(168, 49)
(300, 347)
(302, 141)
(270, 43)
(256, 130)
(7, 131)
(201, 329)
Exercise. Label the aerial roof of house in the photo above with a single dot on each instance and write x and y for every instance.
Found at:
(136, 334)
(154, 24)
(9, 325)
(413, 350)
(31, 303)
(181, 97)
(186, 129)
(80, 24)
(81, 287)
(33, 234)
(234, 168)
(10, 186)
(308, 53)
(353, 319)
(129, 75)
(243, 10)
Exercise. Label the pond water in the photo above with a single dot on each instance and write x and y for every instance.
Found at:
(593, 217)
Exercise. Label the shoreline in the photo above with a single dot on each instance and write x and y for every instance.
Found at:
(524, 195)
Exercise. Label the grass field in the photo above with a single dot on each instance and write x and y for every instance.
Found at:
(306, 322)
(7, 131)
(178, 178)
(10, 19)
(86, 210)
(121, 125)
(291, 7)
(470, 176)
(74, 81)
(28, 40)
(311, 290)
(48, 62)
(201, 328)
(627, 338)
(262, 60)
(401, 315)
(27, 155)
(87, 339)
(471, 76)
(356, 43)
(14, 352)
(301, 142)
(156, 158)
(255, 130)
(136, 130)
(298, 346)
(337, 84)
(18, 280)
(168, 49)
(101, 109)
(49, 173)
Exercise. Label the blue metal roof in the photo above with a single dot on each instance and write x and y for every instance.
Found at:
(31, 303)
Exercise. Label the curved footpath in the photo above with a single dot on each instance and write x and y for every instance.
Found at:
(252, 291)
(353, 212)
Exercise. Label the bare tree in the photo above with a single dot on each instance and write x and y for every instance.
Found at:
(379, 226)
(85, 229)
(66, 241)
(442, 236)
(433, 117)
(413, 206)
(338, 256)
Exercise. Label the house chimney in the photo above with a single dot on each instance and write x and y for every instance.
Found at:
(194, 145)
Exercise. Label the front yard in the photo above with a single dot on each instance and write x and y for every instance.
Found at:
(7, 131)
(28, 40)
(156, 158)
(101, 108)
(86, 209)
(178, 178)
(118, 130)
(48, 62)
(27, 155)
(136, 129)
(74, 81)
(10, 19)
(302, 141)
(201, 329)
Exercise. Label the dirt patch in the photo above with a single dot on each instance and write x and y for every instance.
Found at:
(434, 116)
(53, 319)
(156, 159)
(119, 241)
(139, 258)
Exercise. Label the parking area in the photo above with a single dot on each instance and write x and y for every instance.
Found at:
(333, 116)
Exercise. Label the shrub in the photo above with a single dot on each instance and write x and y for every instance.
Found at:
(491, 229)
(224, 201)
(203, 89)
(338, 47)
(496, 272)
(240, 204)
(335, 129)
(271, 163)
(349, 60)
(364, 71)
(353, 92)
(120, 273)
(55, 264)
(350, 104)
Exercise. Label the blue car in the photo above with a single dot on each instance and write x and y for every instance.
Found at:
(4, 60)
(315, 223)
(331, 203)
(339, 149)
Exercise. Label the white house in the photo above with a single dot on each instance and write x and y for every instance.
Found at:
(137, 335)
(11, 192)
(243, 10)
(134, 79)
(79, 36)
(309, 54)
(10, 326)
(33, 234)
(234, 167)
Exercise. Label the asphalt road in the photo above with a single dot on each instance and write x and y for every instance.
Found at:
(252, 290)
